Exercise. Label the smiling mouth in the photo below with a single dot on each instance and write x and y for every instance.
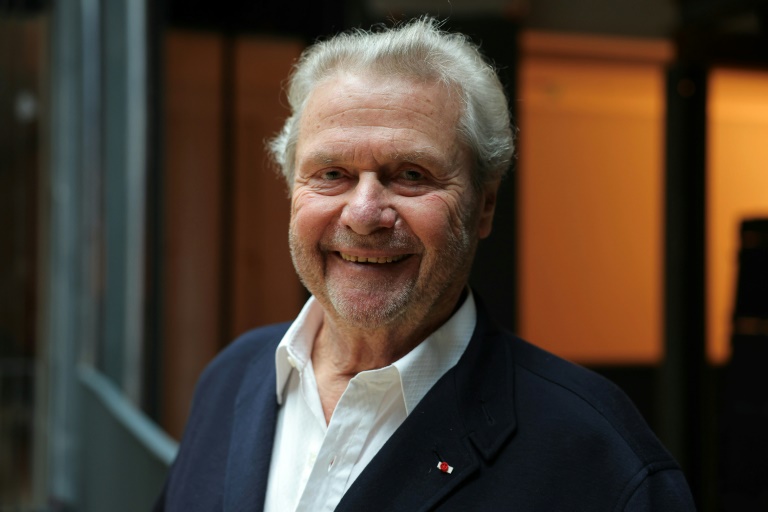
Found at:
(364, 259)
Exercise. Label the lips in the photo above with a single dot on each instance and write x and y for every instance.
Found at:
(372, 259)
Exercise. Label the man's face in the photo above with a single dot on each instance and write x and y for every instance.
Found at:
(384, 218)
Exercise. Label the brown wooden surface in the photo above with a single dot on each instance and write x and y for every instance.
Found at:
(596, 47)
(227, 266)
(265, 287)
(192, 229)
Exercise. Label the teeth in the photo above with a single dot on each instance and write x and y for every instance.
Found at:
(363, 259)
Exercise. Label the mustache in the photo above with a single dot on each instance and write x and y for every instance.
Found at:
(385, 239)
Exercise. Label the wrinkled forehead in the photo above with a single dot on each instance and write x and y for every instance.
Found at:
(384, 71)
(418, 116)
(354, 90)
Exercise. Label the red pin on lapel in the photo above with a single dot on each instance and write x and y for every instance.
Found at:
(444, 467)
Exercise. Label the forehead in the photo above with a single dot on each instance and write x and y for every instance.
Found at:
(352, 112)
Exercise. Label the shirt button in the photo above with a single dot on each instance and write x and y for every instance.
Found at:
(292, 361)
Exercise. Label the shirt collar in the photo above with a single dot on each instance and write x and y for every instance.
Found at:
(419, 369)
(295, 349)
(423, 366)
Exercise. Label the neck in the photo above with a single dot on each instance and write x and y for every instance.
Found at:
(341, 350)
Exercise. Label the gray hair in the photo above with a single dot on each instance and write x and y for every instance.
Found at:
(417, 49)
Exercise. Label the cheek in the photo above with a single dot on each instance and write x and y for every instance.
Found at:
(434, 220)
(442, 215)
(311, 214)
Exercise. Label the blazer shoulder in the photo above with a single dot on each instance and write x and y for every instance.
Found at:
(592, 398)
(254, 345)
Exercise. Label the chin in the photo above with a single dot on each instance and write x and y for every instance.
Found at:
(369, 310)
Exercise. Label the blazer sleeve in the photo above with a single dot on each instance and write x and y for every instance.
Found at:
(662, 491)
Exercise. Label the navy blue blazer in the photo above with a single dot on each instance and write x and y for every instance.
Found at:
(523, 429)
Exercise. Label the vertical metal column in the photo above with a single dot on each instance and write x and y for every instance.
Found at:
(684, 299)
(57, 410)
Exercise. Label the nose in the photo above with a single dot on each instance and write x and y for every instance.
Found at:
(368, 208)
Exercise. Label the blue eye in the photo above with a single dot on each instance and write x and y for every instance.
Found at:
(412, 175)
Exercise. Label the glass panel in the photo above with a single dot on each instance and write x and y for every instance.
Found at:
(590, 178)
(737, 188)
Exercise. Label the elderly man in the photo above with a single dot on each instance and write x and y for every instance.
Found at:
(393, 390)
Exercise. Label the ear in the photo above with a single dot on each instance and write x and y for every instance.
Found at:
(488, 193)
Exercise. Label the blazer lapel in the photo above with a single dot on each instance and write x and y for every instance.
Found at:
(253, 432)
(467, 416)
(404, 474)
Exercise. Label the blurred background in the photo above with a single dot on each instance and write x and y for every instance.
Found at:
(142, 227)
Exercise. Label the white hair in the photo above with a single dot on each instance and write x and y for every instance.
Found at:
(418, 49)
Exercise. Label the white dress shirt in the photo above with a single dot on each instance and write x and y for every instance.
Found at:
(313, 464)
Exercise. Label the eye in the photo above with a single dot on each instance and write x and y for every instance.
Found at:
(331, 175)
(412, 175)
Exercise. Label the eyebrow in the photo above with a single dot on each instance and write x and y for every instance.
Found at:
(322, 158)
